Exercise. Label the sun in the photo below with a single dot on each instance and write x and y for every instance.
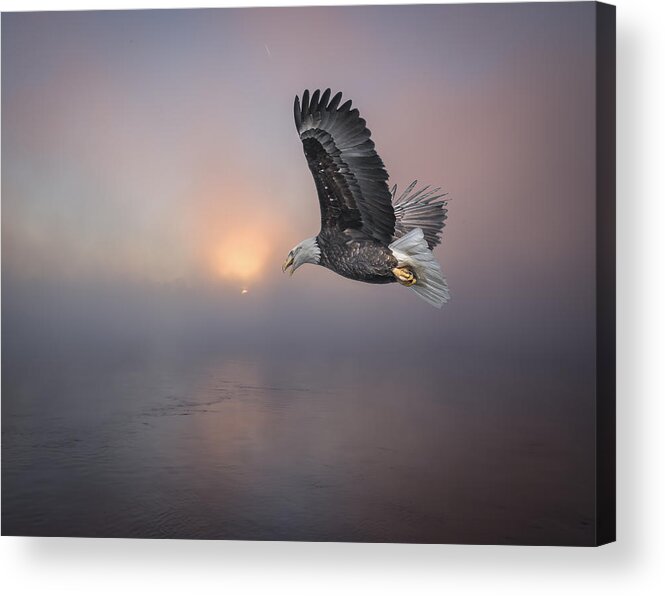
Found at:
(240, 256)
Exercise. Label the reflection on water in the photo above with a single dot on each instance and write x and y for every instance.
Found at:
(242, 447)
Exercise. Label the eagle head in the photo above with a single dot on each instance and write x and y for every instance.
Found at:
(307, 251)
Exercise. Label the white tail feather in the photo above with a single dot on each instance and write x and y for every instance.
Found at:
(412, 250)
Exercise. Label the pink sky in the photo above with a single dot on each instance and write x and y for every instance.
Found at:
(158, 147)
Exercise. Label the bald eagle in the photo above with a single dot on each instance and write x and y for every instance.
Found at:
(367, 233)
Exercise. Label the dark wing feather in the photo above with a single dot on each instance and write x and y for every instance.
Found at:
(350, 177)
(424, 209)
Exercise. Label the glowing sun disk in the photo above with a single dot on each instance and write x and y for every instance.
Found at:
(240, 256)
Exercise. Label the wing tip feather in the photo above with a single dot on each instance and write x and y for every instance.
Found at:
(314, 101)
(297, 112)
(321, 101)
(305, 101)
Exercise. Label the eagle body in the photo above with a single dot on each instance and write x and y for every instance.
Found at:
(368, 233)
(354, 255)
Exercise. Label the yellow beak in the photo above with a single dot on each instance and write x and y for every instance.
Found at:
(287, 264)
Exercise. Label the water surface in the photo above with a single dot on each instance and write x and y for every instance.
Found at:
(238, 446)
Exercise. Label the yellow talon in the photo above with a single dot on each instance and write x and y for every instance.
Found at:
(404, 276)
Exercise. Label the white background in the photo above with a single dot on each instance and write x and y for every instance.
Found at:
(633, 564)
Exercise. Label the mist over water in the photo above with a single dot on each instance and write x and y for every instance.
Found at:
(253, 446)
(153, 412)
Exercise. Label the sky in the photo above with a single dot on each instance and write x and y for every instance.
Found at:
(152, 171)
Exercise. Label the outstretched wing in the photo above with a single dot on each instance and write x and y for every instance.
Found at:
(424, 209)
(350, 177)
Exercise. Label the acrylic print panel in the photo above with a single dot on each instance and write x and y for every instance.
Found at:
(163, 378)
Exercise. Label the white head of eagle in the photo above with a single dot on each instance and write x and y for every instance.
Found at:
(368, 233)
(307, 251)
